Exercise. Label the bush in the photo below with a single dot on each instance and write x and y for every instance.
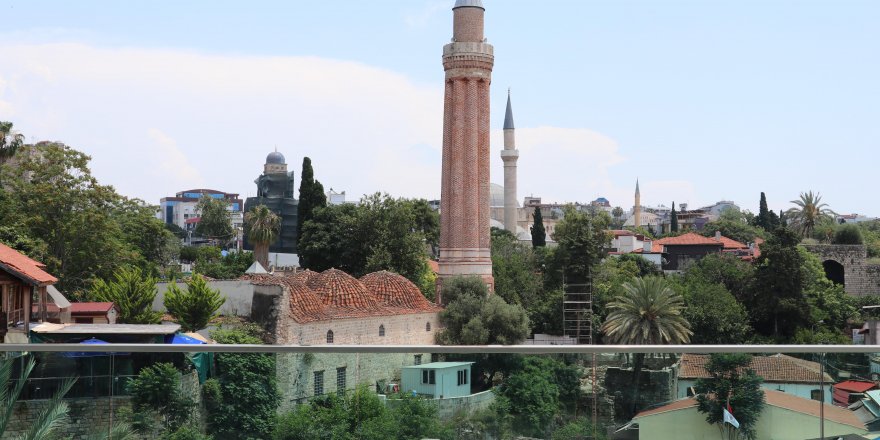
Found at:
(194, 307)
(156, 390)
(186, 433)
(848, 234)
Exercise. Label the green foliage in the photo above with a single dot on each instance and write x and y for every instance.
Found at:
(10, 141)
(211, 394)
(262, 227)
(766, 219)
(673, 220)
(473, 317)
(831, 309)
(133, 292)
(777, 303)
(649, 312)
(736, 275)
(539, 235)
(380, 233)
(189, 254)
(48, 419)
(533, 396)
(733, 224)
(186, 433)
(517, 279)
(195, 306)
(248, 388)
(646, 268)
(848, 234)
(156, 392)
(228, 267)
(714, 314)
(360, 416)
(583, 243)
(311, 198)
(214, 222)
(731, 381)
(580, 429)
(871, 236)
(808, 213)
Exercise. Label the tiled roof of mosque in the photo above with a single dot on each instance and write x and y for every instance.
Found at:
(304, 276)
(340, 289)
(395, 290)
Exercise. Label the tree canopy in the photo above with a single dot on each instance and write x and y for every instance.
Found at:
(473, 317)
(731, 382)
(539, 235)
(214, 220)
(311, 198)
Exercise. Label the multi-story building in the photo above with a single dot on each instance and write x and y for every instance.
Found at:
(181, 209)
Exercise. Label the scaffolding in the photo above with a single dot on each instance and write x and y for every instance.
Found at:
(577, 323)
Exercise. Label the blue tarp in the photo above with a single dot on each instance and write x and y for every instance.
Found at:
(203, 362)
(182, 339)
(90, 341)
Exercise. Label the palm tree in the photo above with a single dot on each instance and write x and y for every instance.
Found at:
(49, 417)
(262, 227)
(648, 312)
(810, 212)
(9, 141)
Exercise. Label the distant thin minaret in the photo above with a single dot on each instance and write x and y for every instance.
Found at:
(637, 209)
(509, 155)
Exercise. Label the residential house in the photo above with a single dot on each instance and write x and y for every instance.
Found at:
(785, 417)
(24, 294)
(780, 372)
(683, 250)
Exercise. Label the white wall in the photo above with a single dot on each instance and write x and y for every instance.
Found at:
(238, 293)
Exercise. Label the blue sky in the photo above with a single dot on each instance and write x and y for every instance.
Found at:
(700, 100)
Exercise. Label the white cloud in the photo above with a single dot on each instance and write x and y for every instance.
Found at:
(420, 18)
(172, 163)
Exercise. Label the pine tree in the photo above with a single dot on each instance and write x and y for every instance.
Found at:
(311, 197)
(539, 236)
(673, 219)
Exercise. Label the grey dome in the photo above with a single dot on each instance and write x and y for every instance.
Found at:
(275, 157)
(469, 3)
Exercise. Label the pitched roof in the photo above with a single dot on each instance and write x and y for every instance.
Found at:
(778, 399)
(689, 239)
(91, 307)
(730, 243)
(621, 232)
(855, 386)
(23, 267)
(778, 368)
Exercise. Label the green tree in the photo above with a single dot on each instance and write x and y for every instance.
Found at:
(48, 419)
(765, 218)
(539, 236)
(848, 234)
(733, 224)
(226, 267)
(714, 314)
(215, 222)
(617, 217)
(156, 392)
(808, 214)
(831, 309)
(10, 141)
(673, 220)
(473, 317)
(582, 243)
(311, 198)
(514, 269)
(533, 396)
(648, 313)
(580, 429)
(731, 382)
(248, 389)
(195, 306)
(777, 304)
(737, 276)
(262, 227)
(133, 291)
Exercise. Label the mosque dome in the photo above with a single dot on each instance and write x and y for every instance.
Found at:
(340, 289)
(275, 158)
(305, 305)
(395, 290)
(496, 196)
(303, 276)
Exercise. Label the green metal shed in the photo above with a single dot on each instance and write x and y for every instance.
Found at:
(440, 380)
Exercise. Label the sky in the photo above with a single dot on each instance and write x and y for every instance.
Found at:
(700, 100)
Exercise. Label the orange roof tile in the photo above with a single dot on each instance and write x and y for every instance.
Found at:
(778, 368)
(730, 243)
(340, 289)
(395, 290)
(303, 276)
(23, 267)
(91, 307)
(689, 239)
(620, 232)
(778, 399)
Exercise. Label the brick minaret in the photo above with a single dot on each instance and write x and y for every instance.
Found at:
(464, 197)
(637, 208)
(509, 155)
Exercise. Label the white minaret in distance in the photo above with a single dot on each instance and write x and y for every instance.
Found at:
(509, 155)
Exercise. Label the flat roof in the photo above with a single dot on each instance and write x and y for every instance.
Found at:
(441, 365)
(107, 329)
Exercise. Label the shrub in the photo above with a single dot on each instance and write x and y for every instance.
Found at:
(156, 390)
(194, 307)
(848, 234)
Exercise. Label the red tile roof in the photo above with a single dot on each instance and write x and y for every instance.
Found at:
(303, 276)
(23, 267)
(778, 368)
(90, 307)
(395, 290)
(689, 239)
(778, 399)
(855, 386)
(730, 243)
(621, 232)
(340, 289)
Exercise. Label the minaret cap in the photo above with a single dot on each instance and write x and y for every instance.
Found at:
(508, 114)
(637, 186)
(469, 4)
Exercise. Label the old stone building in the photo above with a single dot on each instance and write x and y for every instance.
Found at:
(332, 307)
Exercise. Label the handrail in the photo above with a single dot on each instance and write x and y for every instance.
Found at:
(460, 349)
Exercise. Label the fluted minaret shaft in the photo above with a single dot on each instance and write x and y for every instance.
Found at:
(464, 198)
(509, 155)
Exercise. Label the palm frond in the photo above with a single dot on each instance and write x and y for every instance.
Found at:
(51, 416)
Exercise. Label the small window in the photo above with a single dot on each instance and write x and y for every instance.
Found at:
(329, 336)
(816, 394)
(427, 326)
(462, 377)
(319, 382)
(417, 360)
(382, 330)
(340, 380)
(428, 377)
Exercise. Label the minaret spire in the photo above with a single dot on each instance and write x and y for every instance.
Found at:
(637, 208)
(509, 155)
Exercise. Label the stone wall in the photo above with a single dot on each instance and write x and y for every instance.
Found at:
(446, 408)
(238, 294)
(860, 278)
(84, 417)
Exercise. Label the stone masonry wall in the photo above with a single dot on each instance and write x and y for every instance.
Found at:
(860, 278)
(84, 417)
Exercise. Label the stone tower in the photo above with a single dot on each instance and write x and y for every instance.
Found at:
(637, 208)
(509, 155)
(464, 197)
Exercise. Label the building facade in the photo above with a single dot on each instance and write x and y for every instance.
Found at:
(275, 190)
(181, 209)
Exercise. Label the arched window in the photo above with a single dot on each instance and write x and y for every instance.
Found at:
(428, 326)
(329, 336)
(382, 330)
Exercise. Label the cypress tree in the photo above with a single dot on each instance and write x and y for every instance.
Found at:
(763, 219)
(539, 236)
(311, 197)
(673, 219)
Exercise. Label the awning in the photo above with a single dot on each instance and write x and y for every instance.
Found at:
(182, 339)
(57, 297)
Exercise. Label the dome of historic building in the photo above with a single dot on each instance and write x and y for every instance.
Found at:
(303, 276)
(305, 305)
(340, 289)
(395, 290)
(275, 157)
